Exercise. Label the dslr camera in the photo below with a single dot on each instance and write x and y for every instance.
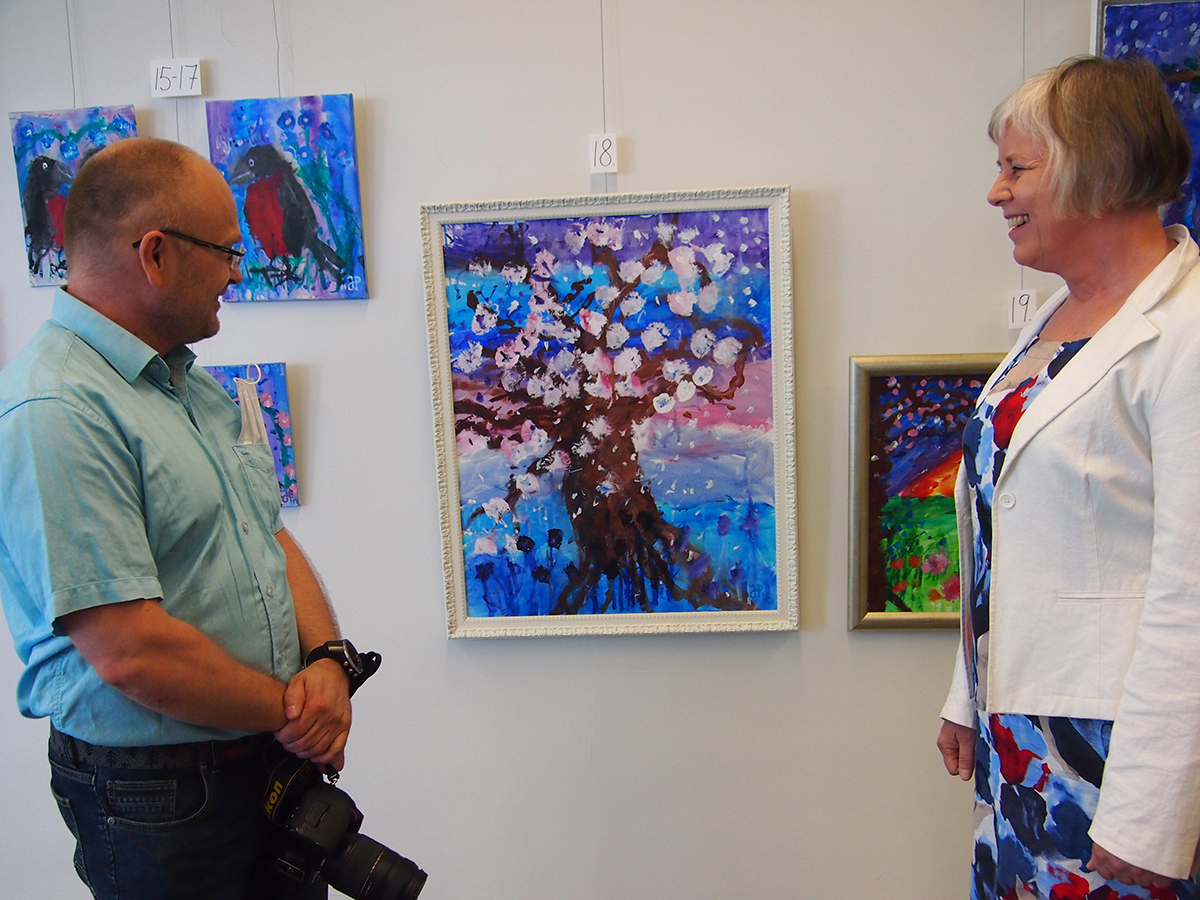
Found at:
(318, 834)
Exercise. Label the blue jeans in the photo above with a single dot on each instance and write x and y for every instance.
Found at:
(196, 831)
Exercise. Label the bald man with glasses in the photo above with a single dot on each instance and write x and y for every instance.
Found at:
(162, 612)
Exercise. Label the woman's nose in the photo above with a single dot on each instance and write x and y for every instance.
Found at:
(999, 192)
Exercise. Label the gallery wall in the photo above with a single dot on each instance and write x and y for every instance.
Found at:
(665, 767)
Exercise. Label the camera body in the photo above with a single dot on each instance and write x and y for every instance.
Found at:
(319, 838)
(317, 834)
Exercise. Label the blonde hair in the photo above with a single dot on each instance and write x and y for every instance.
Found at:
(1113, 140)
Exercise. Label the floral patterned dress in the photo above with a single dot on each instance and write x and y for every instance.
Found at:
(1037, 778)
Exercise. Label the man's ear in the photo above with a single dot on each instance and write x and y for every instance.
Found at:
(153, 258)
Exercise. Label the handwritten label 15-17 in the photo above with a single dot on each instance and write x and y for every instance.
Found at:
(175, 77)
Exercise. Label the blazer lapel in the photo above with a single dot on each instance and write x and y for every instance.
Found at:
(1126, 330)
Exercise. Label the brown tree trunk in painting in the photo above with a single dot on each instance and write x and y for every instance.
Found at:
(622, 535)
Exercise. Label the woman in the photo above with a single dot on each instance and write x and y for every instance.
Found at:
(1076, 699)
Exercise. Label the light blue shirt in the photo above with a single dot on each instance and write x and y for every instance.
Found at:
(121, 479)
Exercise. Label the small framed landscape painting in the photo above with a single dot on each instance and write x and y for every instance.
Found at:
(907, 414)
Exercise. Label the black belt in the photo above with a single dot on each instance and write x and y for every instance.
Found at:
(162, 756)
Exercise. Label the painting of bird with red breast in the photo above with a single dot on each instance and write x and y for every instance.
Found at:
(49, 146)
(292, 164)
(45, 204)
(280, 216)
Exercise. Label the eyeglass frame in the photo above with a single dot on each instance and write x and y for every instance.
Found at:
(235, 255)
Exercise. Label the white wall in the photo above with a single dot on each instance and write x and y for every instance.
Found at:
(649, 768)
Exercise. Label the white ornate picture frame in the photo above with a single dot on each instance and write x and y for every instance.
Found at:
(614, 409)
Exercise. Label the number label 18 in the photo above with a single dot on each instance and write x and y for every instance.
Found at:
(602, 151)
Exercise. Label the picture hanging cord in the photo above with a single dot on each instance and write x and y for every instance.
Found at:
(71, 54)
(603, 86)
(603, 92)
(1024, 28)
(278, 77)
(171, 29)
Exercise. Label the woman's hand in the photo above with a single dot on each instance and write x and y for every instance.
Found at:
(1113, 868)
(957, 743)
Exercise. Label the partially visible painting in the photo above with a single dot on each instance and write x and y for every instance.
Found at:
(49, 148)
(613, 402)
(277, 417)
(1168, 35)
(907, 414)
(292, 164)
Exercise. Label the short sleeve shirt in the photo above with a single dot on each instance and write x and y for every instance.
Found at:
(121, 479)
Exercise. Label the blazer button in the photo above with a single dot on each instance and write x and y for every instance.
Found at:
(1007, 501)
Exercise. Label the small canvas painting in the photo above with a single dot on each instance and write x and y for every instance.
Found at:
(49, 148)
(292, 164)
(1168, 35)
(277, 416)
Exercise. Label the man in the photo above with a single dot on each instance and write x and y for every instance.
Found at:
(160, 608)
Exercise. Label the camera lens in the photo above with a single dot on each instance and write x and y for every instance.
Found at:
(367, 870)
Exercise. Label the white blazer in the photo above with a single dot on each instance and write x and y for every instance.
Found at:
(1095, 596)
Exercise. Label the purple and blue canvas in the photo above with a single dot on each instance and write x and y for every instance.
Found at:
(612, 392)
(1168, 35)
(277, 416)
(49, 148)
(292, 164)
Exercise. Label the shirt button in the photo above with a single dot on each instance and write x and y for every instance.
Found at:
(1008, 501)
(245, 528)
(270, 591)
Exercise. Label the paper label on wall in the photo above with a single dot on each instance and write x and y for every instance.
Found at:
(175, 77)
(602, 151)
(1021, 307)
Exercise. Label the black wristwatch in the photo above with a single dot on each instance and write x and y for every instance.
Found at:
(343, 653)
(358, 667)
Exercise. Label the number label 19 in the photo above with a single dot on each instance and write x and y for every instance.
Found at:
(602, 151)
(1021, 307)
(175, 77)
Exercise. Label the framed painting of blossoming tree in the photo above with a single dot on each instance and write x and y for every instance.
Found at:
(613, 400)
(907, 414)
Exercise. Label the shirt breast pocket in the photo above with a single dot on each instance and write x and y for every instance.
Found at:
(258, 468)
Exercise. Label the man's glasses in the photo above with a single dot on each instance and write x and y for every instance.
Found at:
(233, 255)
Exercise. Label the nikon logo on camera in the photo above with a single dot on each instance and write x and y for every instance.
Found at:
(273, 797)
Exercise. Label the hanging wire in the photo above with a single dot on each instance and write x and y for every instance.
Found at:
(71, 54)
(1024, 32)
(603, 93)
(171, 28)
(278, 64)
(603, 86)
